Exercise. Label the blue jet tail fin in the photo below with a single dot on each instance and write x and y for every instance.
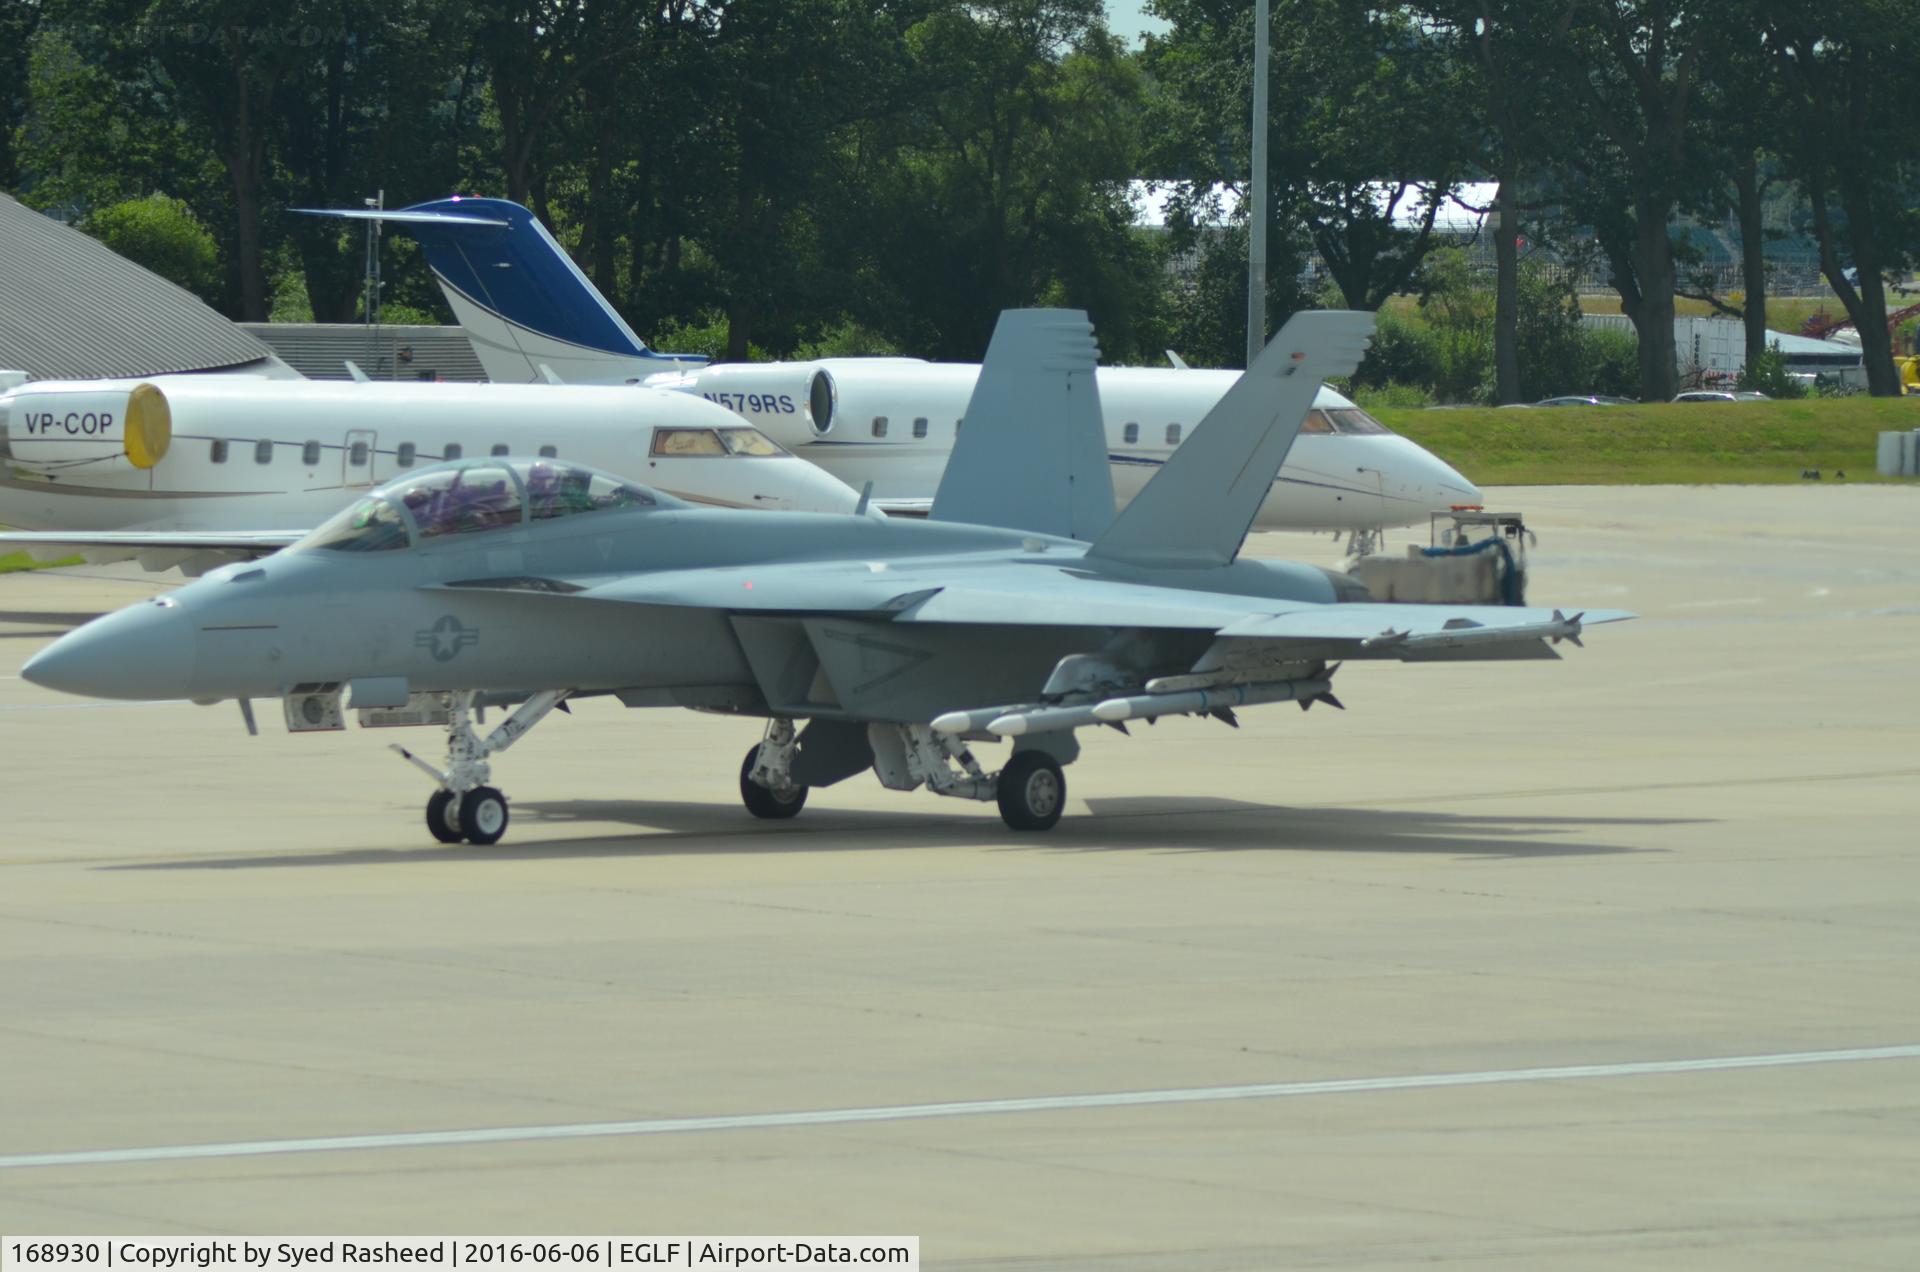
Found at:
(1197, 509)
(520, 297)
(1032, 450)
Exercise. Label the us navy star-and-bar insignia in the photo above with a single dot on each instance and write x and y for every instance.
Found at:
(446, 638)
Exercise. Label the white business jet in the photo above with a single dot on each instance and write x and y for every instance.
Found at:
(532, 316)
(197, 470)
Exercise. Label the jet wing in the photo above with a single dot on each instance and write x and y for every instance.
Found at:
(1038, 594)
(194, 551)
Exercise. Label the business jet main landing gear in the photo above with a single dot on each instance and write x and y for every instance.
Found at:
(465, 807)
(767, 787)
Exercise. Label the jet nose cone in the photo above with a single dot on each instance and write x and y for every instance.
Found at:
(143, 652)
(1453, 487)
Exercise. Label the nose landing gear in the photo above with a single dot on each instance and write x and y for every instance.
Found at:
(465, 807)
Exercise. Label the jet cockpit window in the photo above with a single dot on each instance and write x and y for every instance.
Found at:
(750, 442)
(1316, 422)
(563, 490)
(468, 500)
(1353, 420)
(684, 443)
(372, 525)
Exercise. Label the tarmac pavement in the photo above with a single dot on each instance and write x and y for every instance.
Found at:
(1695, 839)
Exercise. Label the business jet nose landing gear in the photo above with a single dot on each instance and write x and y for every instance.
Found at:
(465, 807)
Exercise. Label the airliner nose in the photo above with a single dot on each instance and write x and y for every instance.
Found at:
(143, 652)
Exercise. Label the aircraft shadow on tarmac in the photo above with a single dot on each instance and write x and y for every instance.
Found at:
(1129, 824)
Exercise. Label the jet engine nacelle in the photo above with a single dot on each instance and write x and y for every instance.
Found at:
(54, 427)
(794, 403)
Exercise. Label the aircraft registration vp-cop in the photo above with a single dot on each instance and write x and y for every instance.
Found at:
(1023, 609)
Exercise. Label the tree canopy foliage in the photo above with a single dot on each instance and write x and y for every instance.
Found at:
(774, 176)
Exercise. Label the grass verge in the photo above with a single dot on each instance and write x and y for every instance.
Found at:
(1661, 444)
(14, 562)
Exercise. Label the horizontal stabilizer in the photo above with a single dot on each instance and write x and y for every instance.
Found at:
(1195, 512)
(1032, 453)
(405, 216)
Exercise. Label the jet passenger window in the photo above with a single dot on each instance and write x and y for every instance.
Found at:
(220, 450)
(548, 452)
(263, 451)
(463, 501)
(403, 457)
(1130, 434)
(499, 449)
(452, 452)
(372, 525)
(750, 442)
(683, 443)
(1173, 434)
(920, 426)
(310, 454)
(879, 426)
(357, 455)
(561, 490)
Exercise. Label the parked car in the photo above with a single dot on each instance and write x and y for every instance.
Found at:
(1722, 395)
(1588, 399)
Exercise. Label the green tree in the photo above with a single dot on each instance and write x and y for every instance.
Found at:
(1631, 69)
(17, 25)
(1007, 185)
(162, 234)
(1367, 116)
(369, 109)
(93, 136)
(1850, 74)
(1517, 124)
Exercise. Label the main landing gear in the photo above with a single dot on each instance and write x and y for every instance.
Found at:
(767, 787)
(1031, 790)
(465, 807)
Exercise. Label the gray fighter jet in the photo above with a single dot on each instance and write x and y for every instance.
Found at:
(1023, 609)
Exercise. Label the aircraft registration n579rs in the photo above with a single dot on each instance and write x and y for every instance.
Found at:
(531, 314)
(196, 470)
(1022, 610)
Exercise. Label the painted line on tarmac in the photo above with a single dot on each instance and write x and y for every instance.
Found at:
(94, 706)
(961, 1108)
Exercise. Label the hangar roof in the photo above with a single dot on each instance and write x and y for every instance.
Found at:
(71, 308)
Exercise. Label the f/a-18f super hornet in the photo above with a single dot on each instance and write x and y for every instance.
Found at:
(1022, 610)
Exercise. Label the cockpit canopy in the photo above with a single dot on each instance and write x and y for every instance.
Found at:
(475, 496)
(743, 442)
(1350, 420)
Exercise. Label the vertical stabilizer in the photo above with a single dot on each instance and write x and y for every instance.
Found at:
(523, 302)
(1197, 509)
(1032, 453)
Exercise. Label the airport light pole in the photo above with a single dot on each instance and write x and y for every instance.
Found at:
(1257, 202)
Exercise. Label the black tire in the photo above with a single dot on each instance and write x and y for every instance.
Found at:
(1033, 791)
(483, 816)
(437, 818)
(764, 802)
